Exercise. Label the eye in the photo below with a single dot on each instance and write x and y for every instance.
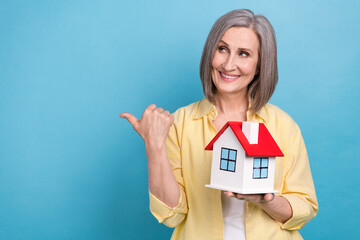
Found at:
(244, 54)
(222, 49)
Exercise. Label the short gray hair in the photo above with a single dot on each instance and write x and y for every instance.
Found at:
(263, 85)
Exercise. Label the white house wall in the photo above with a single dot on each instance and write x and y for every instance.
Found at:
(262, 185)
(226, 178)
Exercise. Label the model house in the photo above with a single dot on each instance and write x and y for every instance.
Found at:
(243, 158)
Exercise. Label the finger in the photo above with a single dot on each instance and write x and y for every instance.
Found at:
(149, 110)
(131, 118)
(160, 110)
(240, 196)
(229, 194)
(167, 113)
(269, 197)
(151, 107)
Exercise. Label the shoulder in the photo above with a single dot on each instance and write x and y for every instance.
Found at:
(187, 112)
(274, 114)
(278, 119)
(182, 117)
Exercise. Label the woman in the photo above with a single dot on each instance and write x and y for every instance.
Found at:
(238, 72)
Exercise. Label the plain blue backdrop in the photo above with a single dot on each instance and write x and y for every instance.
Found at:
(70, 168)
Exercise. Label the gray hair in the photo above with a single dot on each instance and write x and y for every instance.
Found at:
(263, 85)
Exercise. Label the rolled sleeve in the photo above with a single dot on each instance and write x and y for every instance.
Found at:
(298, 187)
(302, 213)
(171, 217)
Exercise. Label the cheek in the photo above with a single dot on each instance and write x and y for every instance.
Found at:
(216, 61)
(249, 68)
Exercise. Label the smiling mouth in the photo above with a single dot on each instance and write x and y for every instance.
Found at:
(227, 77)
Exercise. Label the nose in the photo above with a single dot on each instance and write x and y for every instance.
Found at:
(229, 64)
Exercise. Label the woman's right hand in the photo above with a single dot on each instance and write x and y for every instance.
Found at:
(153, 126)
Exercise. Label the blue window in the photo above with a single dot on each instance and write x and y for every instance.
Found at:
(260, 167)
(228, 159)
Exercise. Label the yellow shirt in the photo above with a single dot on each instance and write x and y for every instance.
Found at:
(199, 212)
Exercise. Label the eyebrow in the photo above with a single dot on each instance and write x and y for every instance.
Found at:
(239, 49)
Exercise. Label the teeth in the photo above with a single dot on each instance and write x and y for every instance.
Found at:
(230, 77)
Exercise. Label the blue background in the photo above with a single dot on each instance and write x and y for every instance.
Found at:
(70, 168)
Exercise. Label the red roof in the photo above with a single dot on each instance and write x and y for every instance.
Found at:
(266, 146)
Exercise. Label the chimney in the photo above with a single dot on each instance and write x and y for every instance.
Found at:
(251, 131)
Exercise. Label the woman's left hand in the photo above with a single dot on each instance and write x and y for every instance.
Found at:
(255, 198)
(276, 207)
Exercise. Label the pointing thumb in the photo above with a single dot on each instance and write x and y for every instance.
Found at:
(131, 118)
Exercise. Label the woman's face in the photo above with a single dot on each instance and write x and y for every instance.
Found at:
(234, 64)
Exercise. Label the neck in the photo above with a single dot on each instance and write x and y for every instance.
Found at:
(231, 104)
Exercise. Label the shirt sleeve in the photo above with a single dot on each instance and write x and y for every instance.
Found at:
(298, 185)
(172, 216)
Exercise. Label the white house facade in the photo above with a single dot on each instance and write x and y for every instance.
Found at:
(243, 158)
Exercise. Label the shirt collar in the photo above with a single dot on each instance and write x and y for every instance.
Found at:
(206, 107)
(261, 114)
